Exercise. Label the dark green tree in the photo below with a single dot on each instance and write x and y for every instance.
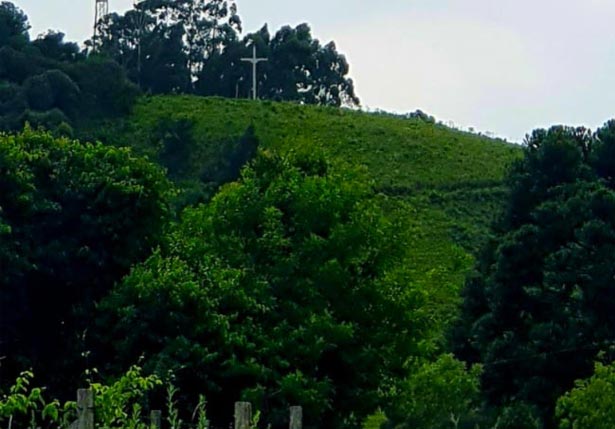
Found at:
(151, 52)
(52, 45)
(299, 69)
(164, 68)
(541, 306)
(105, 89)
(226, 75)
(17, 66)
(14, 26)
(235, 155)
(175, 137)
(57, 82)
(73, 218)
(303, 70)
(208, 26)
(164, 44)
(39, 92)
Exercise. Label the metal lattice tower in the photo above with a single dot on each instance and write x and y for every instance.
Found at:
(102, 10)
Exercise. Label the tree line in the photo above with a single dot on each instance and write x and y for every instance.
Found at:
(538, 311)
(254, 294)
(194, 46)
(52, 83)
(251, 296)
(159, 47)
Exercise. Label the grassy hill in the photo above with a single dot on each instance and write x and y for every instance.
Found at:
(448, 182)
(403, 154)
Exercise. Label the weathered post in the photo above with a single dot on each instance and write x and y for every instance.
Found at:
(85, 409)
(243, 415)
(296, 418)
(155, 419)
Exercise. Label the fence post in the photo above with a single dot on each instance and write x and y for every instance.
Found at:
(296, 418)
(85, 409)
(243, 415)
(155, 419)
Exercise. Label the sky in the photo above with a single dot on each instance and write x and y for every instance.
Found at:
(500, 66)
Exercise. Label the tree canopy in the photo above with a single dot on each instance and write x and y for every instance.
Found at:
(285, 289)
(73, 219)
(194, 46)
(589, 405)
(162, 47)
(298, 69)
(13, 26)
(436, 395)
(540, 307)
(48, 81)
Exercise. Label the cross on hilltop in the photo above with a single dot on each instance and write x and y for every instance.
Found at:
(254, 60)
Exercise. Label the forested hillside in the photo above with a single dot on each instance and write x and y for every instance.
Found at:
(447, 183)
(167, 244)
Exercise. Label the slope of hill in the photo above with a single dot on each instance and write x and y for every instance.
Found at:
(448, 182)
(402, 154)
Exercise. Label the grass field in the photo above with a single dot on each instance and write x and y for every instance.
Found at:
(401, 153)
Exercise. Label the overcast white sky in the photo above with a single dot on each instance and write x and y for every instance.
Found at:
(505, 66)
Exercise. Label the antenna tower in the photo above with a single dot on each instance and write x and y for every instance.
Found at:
(102, 10)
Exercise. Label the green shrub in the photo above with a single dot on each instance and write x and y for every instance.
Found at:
(591, 403)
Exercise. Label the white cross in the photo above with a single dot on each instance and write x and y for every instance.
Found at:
(254, 62)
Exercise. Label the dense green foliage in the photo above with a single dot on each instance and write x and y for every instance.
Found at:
(257, 295)
(73, 219)
(193, 46)
(120, 404)
(447, 183)
(164, 45)
(305, 282)
(541, 305)
(49, 82)
(282, 277)
(298, 68)
(590, 404)
(13, 26)
(437, 395)
(203, 143)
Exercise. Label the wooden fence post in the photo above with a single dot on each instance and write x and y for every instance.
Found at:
(296, 418)
(243, 415)
(85, 409)
(155, 419)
